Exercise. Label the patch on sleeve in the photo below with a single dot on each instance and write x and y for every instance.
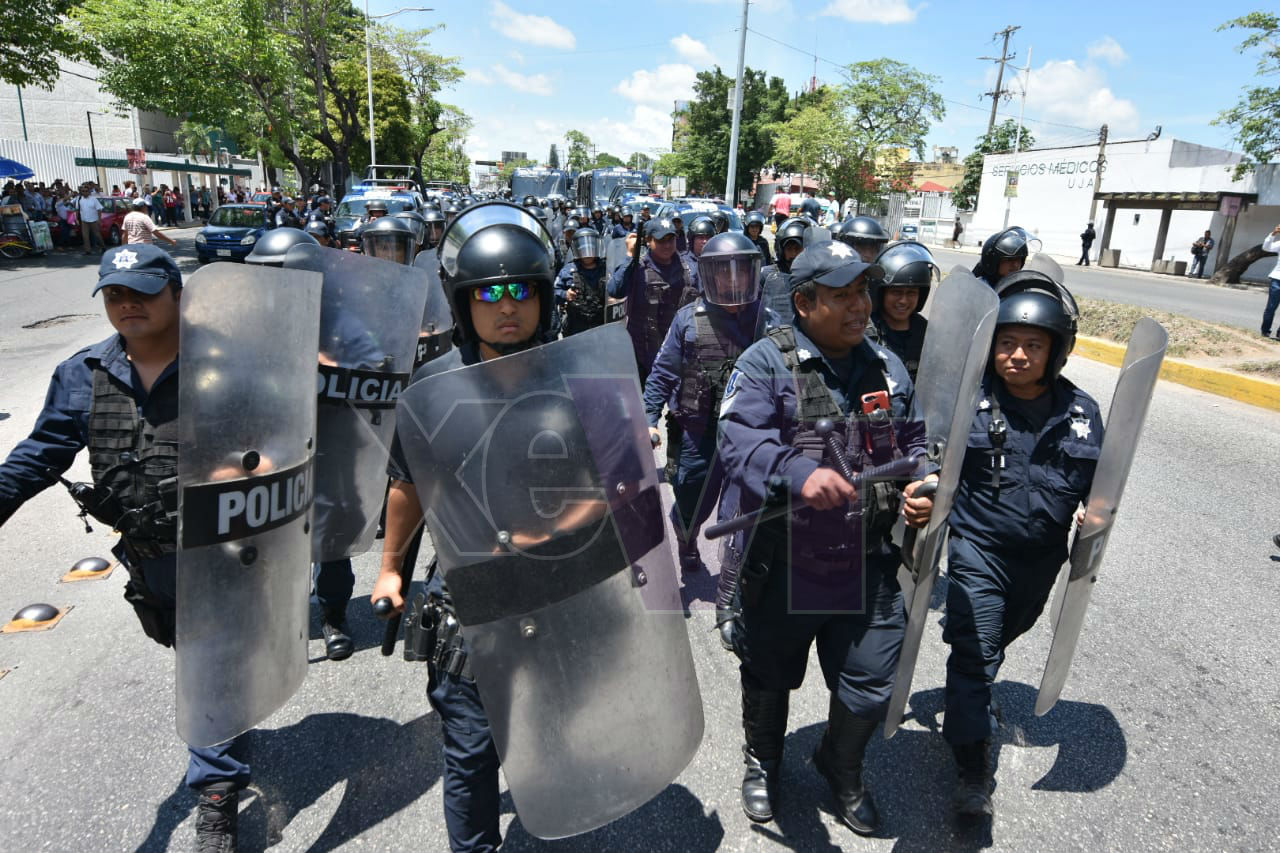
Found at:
(730, 389)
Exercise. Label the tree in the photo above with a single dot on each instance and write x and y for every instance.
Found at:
(35, 33)
(553, 158)
(198, 139)
(504, 175)
(426, 74)
(446, 159)
(705, 148)
(1256, 116)
(639, 160)
(605, 160)
(579, 158)
(999, 141)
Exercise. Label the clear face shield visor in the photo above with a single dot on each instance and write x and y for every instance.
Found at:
(587, 244)
(729, 280)
(390, 247)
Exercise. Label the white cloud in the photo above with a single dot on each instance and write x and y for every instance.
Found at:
(693, 50)
(534, 84)
(872, 11)
(648, 128)
(532, 29)
(667, 84)
(1063, 91)
(517, 57)
(1108, 50)
(478, 76)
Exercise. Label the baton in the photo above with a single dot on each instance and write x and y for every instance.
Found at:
(927, 490)
(895, 470)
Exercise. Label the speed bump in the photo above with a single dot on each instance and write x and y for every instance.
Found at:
(89, 569)
(35, 617)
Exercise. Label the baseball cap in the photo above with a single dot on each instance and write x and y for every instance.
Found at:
(656, 229)
(138, 266)
(831, 263)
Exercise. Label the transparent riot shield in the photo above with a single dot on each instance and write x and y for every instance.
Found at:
(369, 324)
(615, 253)
(776, 295)
(436, 336)
(541, 497)
(961, 325)
(247, 418)
(1129, 405)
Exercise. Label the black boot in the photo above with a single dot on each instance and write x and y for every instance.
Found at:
(973, 794)
(839, 759)
(337, 636)
(764, 722)
(216, 818)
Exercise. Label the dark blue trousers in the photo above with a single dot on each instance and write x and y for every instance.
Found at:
(332, 584)
(699, 479)
(992, 599)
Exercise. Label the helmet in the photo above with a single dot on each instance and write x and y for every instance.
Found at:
(375, 205)
(810, 208)
(276, 243)
(540, 213)
(451, 208)
(416, 221)
(729, 270)
(530, 201)
(496, 242)
(905, 264)
(587, 243)
(1013, 242)
(702, 227)
(1032, 298)
(434, 227)
(862, 229)
(791, 230)
(755, 217)
(317, 229)
(390, 238)
(583, 214)
(721, 220)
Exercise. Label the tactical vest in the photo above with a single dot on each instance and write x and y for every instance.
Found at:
(914, 350)
(138, 462)
(653, 309)
(586, 311)
(705, 375)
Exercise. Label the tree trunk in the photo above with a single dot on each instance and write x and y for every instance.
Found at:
(1230, 272)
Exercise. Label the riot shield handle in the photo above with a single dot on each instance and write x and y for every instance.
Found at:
(927, 489)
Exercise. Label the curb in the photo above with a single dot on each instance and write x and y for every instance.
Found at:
(1245, 389)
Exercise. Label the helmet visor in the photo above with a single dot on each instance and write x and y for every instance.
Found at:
(907, 264)
(389, 247)
(483, 216)
(586, 244)
(1016, 242)
(730, 279)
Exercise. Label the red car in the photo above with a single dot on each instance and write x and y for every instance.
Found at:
(111, 220)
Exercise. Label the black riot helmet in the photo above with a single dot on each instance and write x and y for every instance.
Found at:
(389, 238)
(905, 264)
(789, 231)
(864, 234)
(416, 221)
(721, 220)
(318, 229)
(700, 230)
(810, 208)
(375, 205)
(729, 270)
(1014, 243)
(451, 209)
(434, 227)
(755, 217)
(275, 244)
(539, 213)
(582, 213)
(496, 242)
(530, 201)
(587, 243)
(1033, 298)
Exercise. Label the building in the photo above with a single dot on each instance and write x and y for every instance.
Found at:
(1154, 199)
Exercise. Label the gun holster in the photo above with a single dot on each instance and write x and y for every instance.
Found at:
(433, 634)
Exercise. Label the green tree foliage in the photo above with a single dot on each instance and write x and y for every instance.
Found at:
(605, 160)
(639, 160)
(426, 73)
(446, 158)
(1256, 116)
(705, 153)
(999, 141)
(504, 174)
(579, 157)
(34, 34)
(553, 157)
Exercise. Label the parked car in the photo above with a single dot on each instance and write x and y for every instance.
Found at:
(231, 232)
(690, 208)
(909, 232)
(111, 220)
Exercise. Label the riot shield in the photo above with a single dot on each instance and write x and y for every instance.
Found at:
(615, 253)
(436, 337)
(1129, 404)
(541, 498)
(247, 417)
(615, 310)
(369, 322)
(962, 323)
(776, 295)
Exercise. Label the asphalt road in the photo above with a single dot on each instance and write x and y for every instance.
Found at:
(1167, 737)
(1178, 295)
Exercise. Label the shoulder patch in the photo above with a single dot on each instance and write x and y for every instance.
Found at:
(730, 390)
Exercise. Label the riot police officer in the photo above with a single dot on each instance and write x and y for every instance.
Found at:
(690, 372)
(119, 399)
(1005, 253)
(897, 299)
(775, 281)
(322, 212)
(721, 220)
(865, 235)
(700, 230)
(435, 227)
(826, 571)
(755, 230)
(580, 289)
(598, 221)
(501, 291)
(1030, 461)
(625, 225)
(655, 288)
(418, 223)
(389, 238)
(321, 232)
(375, 208)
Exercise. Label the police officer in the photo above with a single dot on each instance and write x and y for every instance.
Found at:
(435, 227)
(655, 288)
(775, 280)
(502, 298)
(287, 215)
(755, 230)
(580, 286)
(689, 376)
(626, 225)
(1005, 253)
(389, 238)
(321, 232)
(701, 229)
(418, 223)
(721, 220)
(322, 212)
(1029, 464)
(374, 208)
(897, 299)
(867, 236)
(811, 209)
(598, 221)
(119, 399)
(828, 570)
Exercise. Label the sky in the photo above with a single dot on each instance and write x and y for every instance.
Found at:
(536, 70)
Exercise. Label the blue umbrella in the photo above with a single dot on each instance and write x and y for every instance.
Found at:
(12, 169)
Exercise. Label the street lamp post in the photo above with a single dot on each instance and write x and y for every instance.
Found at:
(368, 66)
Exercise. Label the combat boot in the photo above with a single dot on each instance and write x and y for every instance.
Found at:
(216, 818)
(764, 722)
(839, 759)
(337, 636)
(973, 793)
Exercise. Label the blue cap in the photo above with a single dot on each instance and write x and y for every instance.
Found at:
(138, 266)
(657, 229)
(832, 264)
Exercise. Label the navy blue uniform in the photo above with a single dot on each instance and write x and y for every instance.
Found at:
(621, 230)
(643, 319)
(62, 431)
(859, 634)
(471, 763)
(1007, 542)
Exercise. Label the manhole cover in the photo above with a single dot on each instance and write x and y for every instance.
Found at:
(57, 321)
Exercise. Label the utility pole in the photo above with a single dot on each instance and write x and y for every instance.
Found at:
(1097, 187)
(1017, 137)
(999, 92)
(731, 180)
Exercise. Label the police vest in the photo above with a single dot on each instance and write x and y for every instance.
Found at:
(914, 349)
(586, 311)
(656, 306)
(136, 460)
(703, 378)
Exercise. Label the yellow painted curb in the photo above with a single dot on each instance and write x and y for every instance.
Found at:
(1245, 389)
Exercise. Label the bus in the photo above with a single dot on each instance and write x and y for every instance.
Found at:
(538, 182)
(603, 185)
